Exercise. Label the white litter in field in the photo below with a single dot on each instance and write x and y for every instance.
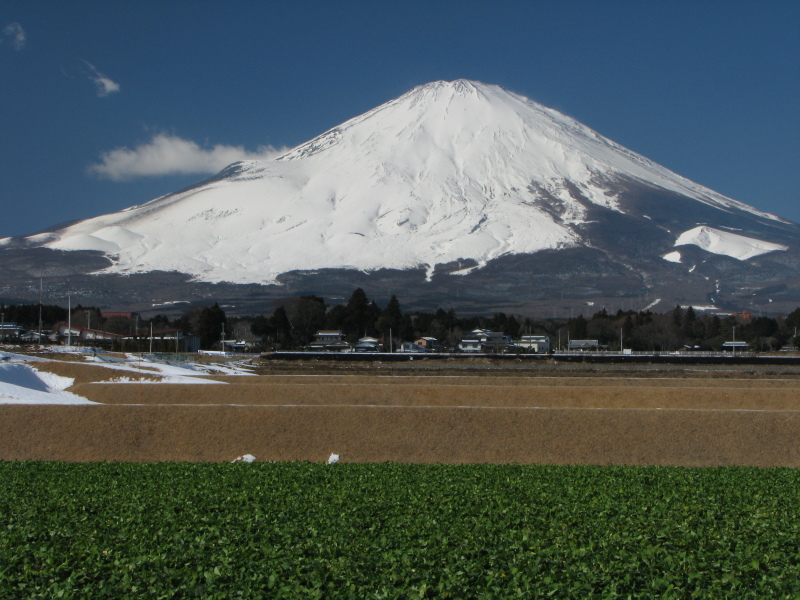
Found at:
(248, 458)
(333, 459)
(21, 384)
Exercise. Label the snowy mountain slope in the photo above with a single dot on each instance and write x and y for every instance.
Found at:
(450, 171)
(726, 243)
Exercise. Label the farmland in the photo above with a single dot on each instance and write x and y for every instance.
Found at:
(305, 530)
(466, 480)
(464, 412)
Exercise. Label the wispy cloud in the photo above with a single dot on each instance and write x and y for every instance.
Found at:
(104, 85)
(171, 155)
(14, 34)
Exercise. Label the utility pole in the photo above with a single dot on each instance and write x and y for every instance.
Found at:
(734, 340)
(40, 310)
(69, 320)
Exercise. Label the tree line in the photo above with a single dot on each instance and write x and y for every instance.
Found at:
(295, 321)
(208, 323)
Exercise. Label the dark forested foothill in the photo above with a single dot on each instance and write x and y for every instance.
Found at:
(293, 324)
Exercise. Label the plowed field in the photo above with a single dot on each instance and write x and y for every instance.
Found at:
(663, 419)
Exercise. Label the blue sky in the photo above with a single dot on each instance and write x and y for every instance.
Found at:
(109, 104)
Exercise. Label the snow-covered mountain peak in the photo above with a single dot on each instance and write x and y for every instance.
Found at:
(484, 127)
(462, 87)
(449, 171)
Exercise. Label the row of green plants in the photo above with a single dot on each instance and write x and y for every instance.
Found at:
(307, 530)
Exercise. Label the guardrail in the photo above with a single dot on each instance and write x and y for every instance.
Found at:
(707, 358)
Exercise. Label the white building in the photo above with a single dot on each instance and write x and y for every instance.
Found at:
(329, 341)
(583, 345)
(540, 344)
(10, 330)
(481, 340)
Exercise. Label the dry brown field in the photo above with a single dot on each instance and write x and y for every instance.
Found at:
(467, 412)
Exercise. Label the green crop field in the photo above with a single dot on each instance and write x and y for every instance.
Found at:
(303, 530)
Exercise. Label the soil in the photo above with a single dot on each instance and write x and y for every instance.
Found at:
(457, 414)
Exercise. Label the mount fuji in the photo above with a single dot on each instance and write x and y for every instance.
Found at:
(455, 194)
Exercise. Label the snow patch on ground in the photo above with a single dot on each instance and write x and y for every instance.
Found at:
(726, 243)
(153, 371)
(22, 384)
(12, 357)
(55, 382)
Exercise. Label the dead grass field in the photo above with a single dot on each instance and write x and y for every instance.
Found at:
(567, 418)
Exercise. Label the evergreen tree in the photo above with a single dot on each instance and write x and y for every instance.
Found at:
(209, 325)
(335, 317)
(307, 316)
(280, 324)
(627, 328)
(390, 322)
(373, 314)
(27, 315)
(357, 315)
(677, 316)
(689, 317)
(578, 328)
(407, 331)
(792, 321)
(261, 327)
(447, 318)
(160, 322)
(512, 327)
(87, 316)
(120, 326)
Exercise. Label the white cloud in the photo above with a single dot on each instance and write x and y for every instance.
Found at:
(105, 85)
(171, 155)
(15, 34)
